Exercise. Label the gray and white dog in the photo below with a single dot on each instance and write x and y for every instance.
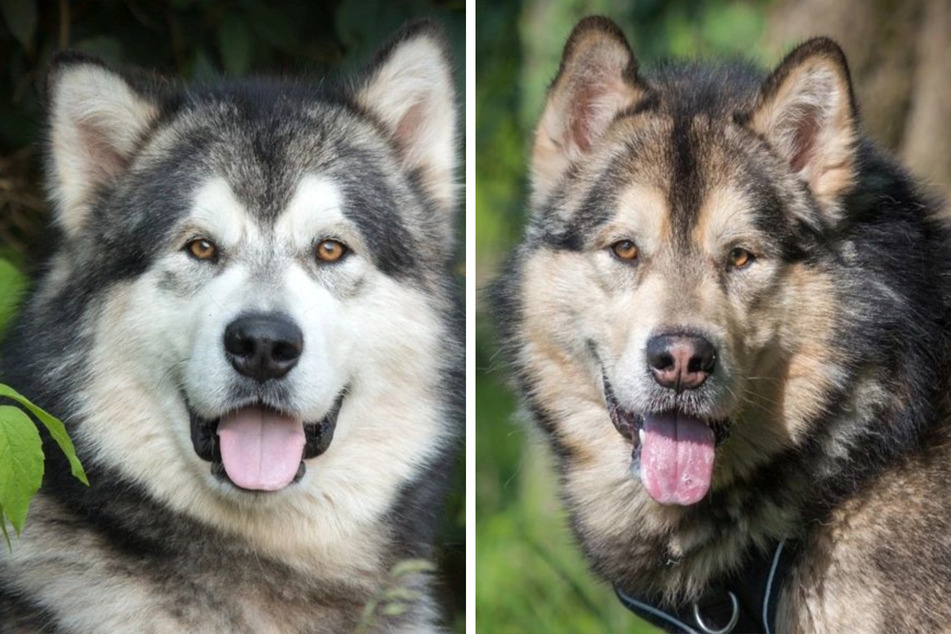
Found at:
(250, 328)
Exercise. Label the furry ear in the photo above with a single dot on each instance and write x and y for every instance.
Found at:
(806, 111)
(409, 88)
(596, 80)
(96, 118)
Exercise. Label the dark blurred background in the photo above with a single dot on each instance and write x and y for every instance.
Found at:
(530, 576)
(195, 40)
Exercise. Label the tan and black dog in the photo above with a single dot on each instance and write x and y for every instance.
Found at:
(730, 316)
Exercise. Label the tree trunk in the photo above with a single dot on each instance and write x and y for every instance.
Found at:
(901, 69)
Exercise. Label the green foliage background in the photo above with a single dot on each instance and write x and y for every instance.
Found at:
(530, 576)
(193, 39)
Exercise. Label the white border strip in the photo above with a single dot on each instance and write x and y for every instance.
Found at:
(470, 314)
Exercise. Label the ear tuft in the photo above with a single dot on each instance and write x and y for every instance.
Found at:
(96, 119)
(806, 112)
(409, 89)
(596, 80)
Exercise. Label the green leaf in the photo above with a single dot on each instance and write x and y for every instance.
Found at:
(234, 43)
(367, 617)
(21, 464)
(56, 429)
(20, 16)
(394, 609)
(12, 285)
(402, 595)
(412, 566)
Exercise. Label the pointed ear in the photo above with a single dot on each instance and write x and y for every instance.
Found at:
(96, 119)
(806, 111)
(597, 79)
(409, 89)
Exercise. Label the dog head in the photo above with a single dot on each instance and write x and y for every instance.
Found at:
(258, 273)
(673, 266)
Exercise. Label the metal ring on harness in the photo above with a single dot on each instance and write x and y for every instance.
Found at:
(726, 628)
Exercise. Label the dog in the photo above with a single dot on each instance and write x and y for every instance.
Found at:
(252, 330)
(729, 316)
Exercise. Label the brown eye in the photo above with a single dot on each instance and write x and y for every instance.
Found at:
(740, 258)
(202, 249)
(625, 250)
(330, 251)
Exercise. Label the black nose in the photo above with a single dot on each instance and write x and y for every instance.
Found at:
(264, 346)
(680, 362)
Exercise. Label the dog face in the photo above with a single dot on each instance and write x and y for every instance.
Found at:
(267, 264)
(674, 264)
(259, 320)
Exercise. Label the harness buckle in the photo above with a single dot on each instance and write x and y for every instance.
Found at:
(726, 629)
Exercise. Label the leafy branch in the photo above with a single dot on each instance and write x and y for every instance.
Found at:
(21, 457)
(21, 448)
(398, 594)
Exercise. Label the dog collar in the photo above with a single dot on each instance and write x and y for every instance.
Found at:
(745, 601)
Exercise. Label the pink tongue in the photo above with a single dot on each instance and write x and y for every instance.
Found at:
(261, 449)
(676, 458)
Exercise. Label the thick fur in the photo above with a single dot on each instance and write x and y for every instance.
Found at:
(122, 338)
(832, 364)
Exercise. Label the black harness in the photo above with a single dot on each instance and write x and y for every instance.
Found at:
(744, 601)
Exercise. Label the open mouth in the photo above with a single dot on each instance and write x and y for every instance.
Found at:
(673, 452)
(258, 448)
